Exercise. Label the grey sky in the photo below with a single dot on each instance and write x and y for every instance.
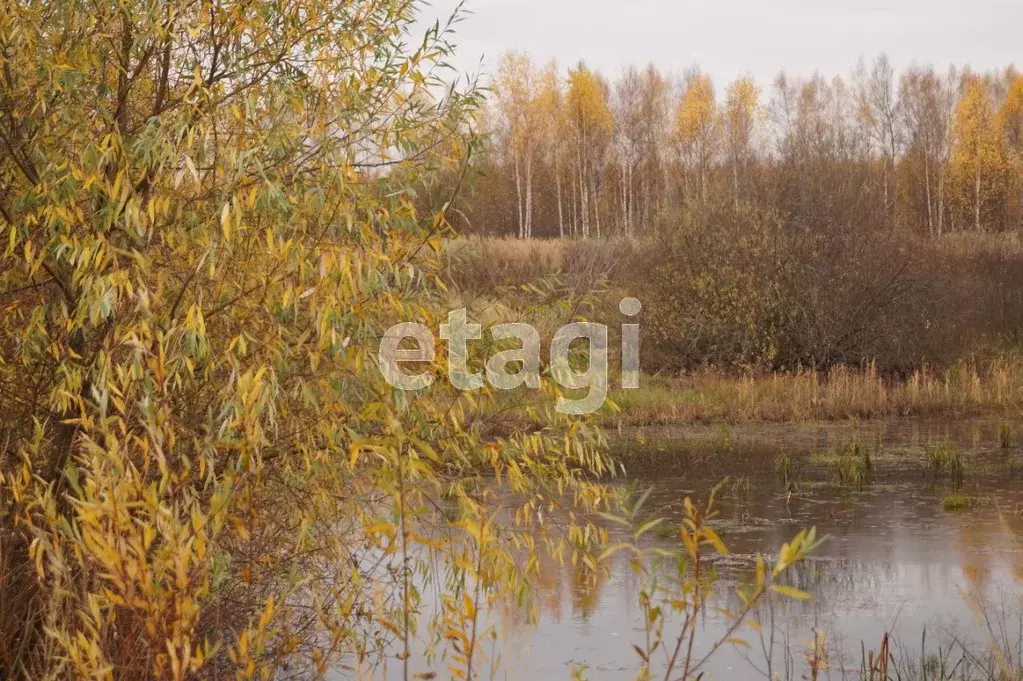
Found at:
(729, 37)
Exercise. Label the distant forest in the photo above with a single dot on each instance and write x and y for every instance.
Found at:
(576, 154)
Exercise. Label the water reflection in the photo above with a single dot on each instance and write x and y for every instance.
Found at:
(895, 560)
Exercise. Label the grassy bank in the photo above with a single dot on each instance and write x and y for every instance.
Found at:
(964, 303)
(964, 389)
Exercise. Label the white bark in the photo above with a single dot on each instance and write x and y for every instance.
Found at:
(529, 197)
(561, 213)
(518, 202)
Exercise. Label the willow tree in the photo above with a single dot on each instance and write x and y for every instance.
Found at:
(204, 236)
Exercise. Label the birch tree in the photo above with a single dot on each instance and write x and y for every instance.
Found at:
(878, 109)
(1010, 126)
(697, 129)
(740, 119)
(516, 89)
(592, 126)
(977, 156)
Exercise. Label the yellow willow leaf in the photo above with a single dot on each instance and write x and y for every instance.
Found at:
(790, 592)
(225, 221)
(268, 612)
(715, 541)
(192, 169)
(381, 528)
(689, 544)
(389, 625)
(240, 529)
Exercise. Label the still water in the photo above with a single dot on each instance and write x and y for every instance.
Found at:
(895, 560)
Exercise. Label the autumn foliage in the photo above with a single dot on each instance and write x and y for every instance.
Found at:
(207, 224)
(926, 152)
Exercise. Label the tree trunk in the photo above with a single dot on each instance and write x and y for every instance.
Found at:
(941, 201)
(927, 187)
(735, 182)
(518, 193)
(894, 176)
(529, 197)
(561, 213)
(646, 201)
(884, 172)
(624, 203)
(575, 207)
(976, 190)
(583, 196)
(630, 200)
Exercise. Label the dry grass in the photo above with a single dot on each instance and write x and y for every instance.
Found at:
(481, 265)
(537, 254)
(962, 390)
(966, 244)
(548, 255)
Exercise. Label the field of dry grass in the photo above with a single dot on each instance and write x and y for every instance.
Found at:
(964, 389)
(550, 255)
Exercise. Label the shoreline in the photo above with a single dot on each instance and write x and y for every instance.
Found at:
(965, 390)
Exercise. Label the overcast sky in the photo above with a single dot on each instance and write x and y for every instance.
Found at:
(730, 37)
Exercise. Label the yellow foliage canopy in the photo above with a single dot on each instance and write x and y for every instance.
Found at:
(207, 225)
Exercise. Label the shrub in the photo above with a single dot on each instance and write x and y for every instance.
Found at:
(742, 288)
(207, 224)
(712, 288)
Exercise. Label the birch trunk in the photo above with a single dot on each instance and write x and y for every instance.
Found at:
(529, 197)
(561, 213)
(518, 193)
(941, 201)
(930, 206)
(976, 193)
(575, 208)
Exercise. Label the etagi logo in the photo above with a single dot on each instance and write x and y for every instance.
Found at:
(458, 332)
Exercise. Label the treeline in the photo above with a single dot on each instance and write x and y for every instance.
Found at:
(576, 154)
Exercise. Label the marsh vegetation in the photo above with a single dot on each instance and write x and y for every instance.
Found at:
(213, 212)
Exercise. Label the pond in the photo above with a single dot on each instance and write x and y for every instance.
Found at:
(910, 544)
